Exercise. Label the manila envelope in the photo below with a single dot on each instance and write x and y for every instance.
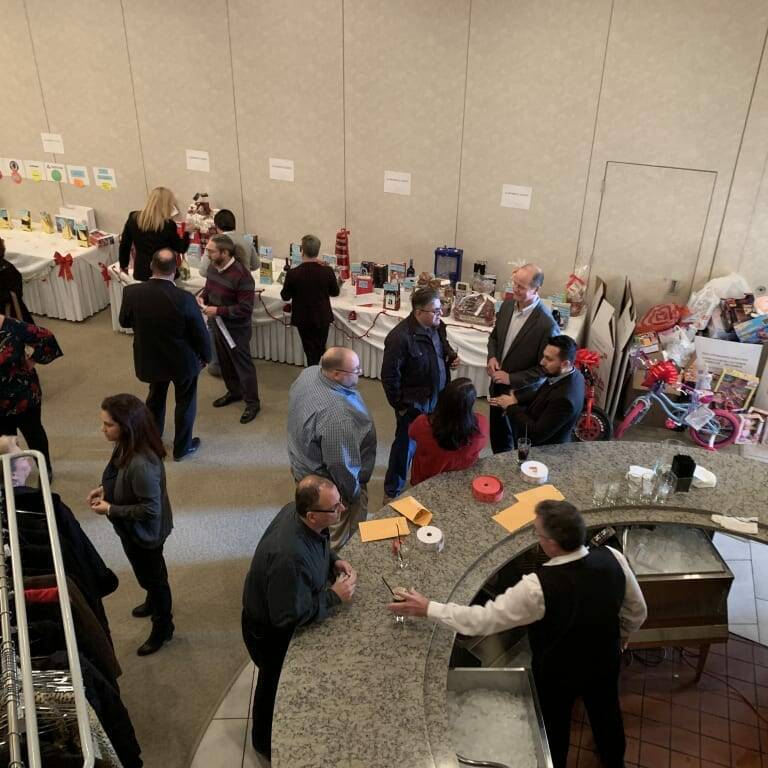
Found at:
(542, 493)
(386, 528)
(410, 508)
(517, 516)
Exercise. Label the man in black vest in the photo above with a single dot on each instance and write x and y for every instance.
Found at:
(170, 344)
(581, 606)
(547, 415)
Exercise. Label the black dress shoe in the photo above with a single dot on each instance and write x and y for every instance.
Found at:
(220, 402)
(250, 413)
(193, 446)
(161, 634)
(142, 611)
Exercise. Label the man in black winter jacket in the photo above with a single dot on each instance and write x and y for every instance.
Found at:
(416, 367)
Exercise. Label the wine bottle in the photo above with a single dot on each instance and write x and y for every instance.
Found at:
(410, 272)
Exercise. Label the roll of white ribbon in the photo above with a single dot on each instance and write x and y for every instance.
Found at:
(430, 537)
(534, 472)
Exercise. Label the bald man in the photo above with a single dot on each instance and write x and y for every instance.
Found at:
(515, 348)
(331, 433)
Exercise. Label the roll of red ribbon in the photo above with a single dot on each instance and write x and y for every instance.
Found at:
(487, 488)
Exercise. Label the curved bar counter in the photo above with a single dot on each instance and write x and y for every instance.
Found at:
(361, 691)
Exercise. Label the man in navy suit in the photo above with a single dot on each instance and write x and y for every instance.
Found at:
(170, 344)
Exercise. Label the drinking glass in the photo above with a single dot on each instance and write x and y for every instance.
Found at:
(400, 552)
(634, 487)
(523, 449)
(599, 491)
(667, 486)
(648, 489)
(613, 494)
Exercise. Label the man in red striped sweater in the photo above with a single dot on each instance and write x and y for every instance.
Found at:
(228, 299)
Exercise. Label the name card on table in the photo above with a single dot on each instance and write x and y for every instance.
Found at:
(524, 511)
(410, 508)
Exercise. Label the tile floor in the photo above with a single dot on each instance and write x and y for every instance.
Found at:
(669, 723)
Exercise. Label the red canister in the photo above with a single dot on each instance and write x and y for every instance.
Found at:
(487, 488)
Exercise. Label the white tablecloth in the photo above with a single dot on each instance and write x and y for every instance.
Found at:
(45, 292)
(275, 339)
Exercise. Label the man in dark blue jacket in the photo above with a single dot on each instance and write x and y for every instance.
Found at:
(295, 579)
(415, 369)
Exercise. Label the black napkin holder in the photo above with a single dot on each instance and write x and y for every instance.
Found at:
(683, 466)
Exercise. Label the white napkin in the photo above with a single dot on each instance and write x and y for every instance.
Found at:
(703, 478)
(738, 524)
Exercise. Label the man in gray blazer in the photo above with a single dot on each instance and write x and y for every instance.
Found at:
(515, 347)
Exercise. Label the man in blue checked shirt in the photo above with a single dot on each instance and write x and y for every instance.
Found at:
(331, 434)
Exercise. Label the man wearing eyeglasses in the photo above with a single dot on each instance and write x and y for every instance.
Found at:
(331, 434)
(295, 579)
(416, 367)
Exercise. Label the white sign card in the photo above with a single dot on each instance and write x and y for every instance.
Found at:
(55, 172)
(397, 182)
(78, 175)
(52, 142)
(13, 166)
(35, 170)
(513, 196)
(602, 339)
(280, 169)
(104, 178)
(198, 160)
(719, 354)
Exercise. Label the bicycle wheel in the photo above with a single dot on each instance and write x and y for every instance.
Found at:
(634, 415)
(721, 431)
(593, 426)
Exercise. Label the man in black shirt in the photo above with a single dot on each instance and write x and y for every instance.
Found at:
(294, 579)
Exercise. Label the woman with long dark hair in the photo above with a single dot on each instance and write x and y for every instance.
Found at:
(134, 498)
(450, 438)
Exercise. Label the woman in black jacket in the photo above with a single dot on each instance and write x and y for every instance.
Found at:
(149, 230)
(134, 498)
(11, 290)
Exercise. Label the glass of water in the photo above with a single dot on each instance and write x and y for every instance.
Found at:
(599, 491)
(666, 487)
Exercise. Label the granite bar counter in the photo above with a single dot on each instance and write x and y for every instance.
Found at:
(361, 691)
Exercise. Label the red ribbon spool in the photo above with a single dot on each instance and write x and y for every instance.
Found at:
(487, 488)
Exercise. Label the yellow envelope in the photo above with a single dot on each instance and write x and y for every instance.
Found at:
(515, 517)
(386, 528)
(410, 508)
(542, 493)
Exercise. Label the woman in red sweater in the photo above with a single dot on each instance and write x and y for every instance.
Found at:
(452, 437)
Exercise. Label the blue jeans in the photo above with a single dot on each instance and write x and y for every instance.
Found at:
(400, 454)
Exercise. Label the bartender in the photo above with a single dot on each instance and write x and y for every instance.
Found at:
(581, 607)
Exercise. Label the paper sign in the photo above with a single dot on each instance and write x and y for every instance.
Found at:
(397, 182)
(15, 169)
(515, 517)
(387, 528)
(719, 354)
(198, 160)
(546, 492)
(104, 178)
(52, 142)
(410, 508)
(78, 175)
(513, 196)
(55, 172)
(35, 170)
(280, 170)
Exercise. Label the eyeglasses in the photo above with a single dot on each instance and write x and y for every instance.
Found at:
(438, 311)
(336, 508)
(357, 371)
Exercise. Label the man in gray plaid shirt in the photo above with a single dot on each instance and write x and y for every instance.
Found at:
(331, 434)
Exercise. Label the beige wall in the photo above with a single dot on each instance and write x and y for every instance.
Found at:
(466, 95)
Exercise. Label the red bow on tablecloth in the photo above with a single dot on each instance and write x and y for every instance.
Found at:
(105, 276)
(64, 263)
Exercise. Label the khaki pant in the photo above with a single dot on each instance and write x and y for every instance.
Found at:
(347, 525)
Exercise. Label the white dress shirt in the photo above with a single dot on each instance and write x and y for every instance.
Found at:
(524, 603)
(516, 322)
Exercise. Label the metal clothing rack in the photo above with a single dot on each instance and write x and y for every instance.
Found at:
(21, 710)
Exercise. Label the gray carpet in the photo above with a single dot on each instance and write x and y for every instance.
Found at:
(223, 498)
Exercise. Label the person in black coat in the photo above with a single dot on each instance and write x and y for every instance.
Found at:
(310, 286)
(548, 415)
(134, 497)
(11, 290)
(170, 344)
(149, 230)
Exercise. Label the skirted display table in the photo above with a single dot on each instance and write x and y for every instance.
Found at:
(362, 691)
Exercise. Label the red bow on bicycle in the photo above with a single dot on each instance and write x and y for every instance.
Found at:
(588, 358)
(64, 263)
(666, 372)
